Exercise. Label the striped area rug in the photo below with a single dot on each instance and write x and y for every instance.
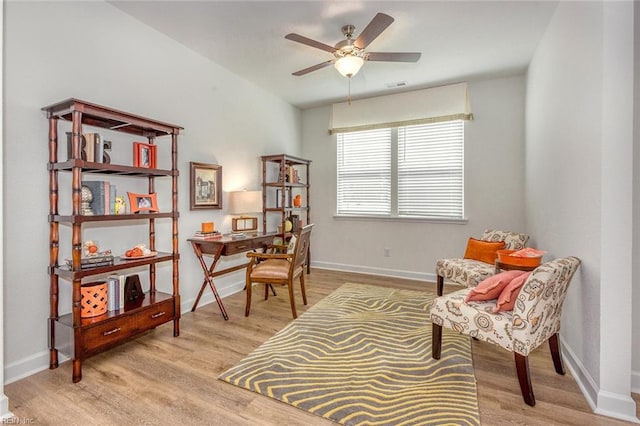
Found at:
(362, 356)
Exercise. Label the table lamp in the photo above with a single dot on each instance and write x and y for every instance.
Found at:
(242, 203)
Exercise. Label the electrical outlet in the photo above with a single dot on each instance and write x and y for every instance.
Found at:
(387, 252)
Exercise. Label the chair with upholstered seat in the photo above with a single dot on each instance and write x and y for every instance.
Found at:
(535, 318)
(469, 272)
(280, 268)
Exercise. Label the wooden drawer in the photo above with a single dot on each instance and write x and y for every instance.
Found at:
(155, 315)
(112, 332)
(241, 246)
(107, 334)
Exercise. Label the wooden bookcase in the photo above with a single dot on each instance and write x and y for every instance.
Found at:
(80, 337)
(283, 188)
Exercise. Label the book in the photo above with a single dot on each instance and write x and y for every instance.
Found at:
(119, 288)
(98, 150)
(207, 235)
(111, 294)
(92, 261)
(112, 199)
(90, 145)
(107, 197)
(97, 190)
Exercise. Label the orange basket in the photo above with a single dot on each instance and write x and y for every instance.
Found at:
(94, 299)
(504, 256)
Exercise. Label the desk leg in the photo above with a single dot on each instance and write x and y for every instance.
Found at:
(208, 273)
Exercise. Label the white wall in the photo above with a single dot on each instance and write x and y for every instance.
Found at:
(494, 182)
(92, 51)
(578, 186)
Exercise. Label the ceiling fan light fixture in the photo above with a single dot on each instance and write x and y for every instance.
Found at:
(349, 65)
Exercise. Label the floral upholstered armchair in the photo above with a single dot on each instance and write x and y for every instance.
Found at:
(469, 272)
(535, 318)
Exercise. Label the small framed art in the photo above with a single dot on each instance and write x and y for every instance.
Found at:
(144, 155)
(142, 202)
(205, 186)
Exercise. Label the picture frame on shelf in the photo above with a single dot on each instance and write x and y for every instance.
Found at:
(205, 186)
(142, 202)
(144, 155)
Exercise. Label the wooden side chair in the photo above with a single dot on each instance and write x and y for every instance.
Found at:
(534, 319)
(280, 268)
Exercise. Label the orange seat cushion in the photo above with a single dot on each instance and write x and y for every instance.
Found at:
(484, 251)
(271, 269)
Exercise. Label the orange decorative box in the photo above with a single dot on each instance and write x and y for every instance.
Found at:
(94, 299)
(504, 256)
(207, 227)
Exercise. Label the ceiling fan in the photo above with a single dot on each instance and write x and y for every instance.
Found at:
(349, 53)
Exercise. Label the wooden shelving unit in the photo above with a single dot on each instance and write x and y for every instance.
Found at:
(82, 337)
(283, 189)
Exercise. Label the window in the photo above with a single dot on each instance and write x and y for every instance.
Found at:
(364, 172)
(412, 171)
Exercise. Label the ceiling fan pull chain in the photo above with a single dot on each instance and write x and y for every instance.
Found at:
(349, 96)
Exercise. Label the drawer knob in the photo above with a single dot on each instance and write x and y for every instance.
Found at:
(159, 314)
(115, 330)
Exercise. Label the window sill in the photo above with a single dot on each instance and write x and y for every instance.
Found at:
(385, 218)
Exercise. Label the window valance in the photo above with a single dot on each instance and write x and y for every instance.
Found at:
(443, 103)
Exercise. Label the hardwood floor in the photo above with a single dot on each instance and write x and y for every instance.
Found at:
(159, 379)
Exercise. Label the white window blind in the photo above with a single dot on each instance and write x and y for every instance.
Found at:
(431, 170)
(364, 172)
(410, 171)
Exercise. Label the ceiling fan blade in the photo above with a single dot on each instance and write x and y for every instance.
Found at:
(378, 24)
(392, 56)
(313, 68)
(309, 42)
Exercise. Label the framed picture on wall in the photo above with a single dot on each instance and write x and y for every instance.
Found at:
(205, 186)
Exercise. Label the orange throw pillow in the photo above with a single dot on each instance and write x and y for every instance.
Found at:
(484, 251)
(491, 288)
(507, 299)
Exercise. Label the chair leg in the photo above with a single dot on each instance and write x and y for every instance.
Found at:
(440, 285)
(247, 305)
(304, 292)
(266, 291)
(436, 341)
(556, 355)
(293, 302)
(522, 368)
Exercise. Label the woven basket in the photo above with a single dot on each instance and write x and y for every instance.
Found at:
(94, 299)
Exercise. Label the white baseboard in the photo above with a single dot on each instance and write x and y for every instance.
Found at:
(4, 408)
(395, 273)
(26, 367)
(601, 402)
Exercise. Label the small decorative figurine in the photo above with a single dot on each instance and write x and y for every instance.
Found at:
(119, 205)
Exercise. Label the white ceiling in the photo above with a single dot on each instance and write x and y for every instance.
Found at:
(459, 40)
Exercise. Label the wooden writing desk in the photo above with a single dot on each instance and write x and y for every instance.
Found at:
(224, 246)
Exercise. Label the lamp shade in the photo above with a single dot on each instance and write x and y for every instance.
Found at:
(349, 65)
(241, 202)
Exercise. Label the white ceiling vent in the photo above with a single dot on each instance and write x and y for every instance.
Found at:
(396, 84)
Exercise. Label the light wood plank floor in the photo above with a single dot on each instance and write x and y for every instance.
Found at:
(159, 379)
